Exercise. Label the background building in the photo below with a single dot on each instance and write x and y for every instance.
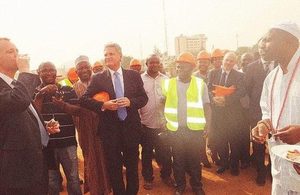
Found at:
(193, 44)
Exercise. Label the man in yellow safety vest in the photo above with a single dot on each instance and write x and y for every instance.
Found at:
(187, 112)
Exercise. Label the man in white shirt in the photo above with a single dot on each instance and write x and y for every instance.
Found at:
(153, 122)
(280, 103)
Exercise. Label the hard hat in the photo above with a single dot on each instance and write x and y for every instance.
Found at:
(97, 63)
(186, 57)
(217, 53)
(101, 96)
(203, 55)
(135, 62)
(72, 75)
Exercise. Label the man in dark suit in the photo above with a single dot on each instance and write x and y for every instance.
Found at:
(254, 79)
(228, 117)
(22, 132)
(119, 125)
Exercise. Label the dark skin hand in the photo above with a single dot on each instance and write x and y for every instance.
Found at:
(297, 168)
(66, 107)
(48, 89)
(289, 134)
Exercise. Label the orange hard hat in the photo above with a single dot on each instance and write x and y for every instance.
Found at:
(186, 57)
(216, 53)
(135, 62)
(72, 75)
(97, 63)
(101, 96)
(203, 55)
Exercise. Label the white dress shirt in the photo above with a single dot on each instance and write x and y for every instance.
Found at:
(152, 114)
(112, 72)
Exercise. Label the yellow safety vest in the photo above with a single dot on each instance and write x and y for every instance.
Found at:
(66, 82)
(195, 112)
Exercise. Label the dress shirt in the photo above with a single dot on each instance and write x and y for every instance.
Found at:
(227, 73)
(152, 114)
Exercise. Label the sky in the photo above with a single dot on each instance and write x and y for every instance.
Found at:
(61, 30)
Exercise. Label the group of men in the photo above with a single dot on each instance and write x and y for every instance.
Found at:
(152, 110)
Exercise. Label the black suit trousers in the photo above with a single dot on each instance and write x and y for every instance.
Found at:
(118, 153)
(150, 140)
(259, 154)
(40, 188)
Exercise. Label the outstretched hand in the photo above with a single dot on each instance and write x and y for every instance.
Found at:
(297, 167)
(289, 134)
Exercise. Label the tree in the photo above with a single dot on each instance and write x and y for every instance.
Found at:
(157, 51)
(242, 50)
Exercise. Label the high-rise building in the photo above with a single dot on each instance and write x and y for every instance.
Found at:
(192, 44)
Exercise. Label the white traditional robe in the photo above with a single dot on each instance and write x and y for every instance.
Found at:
(285, 179)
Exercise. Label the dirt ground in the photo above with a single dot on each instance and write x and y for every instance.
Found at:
(213, 184)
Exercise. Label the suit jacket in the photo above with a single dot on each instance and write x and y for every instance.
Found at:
(133, 90)
(21, 158)
(231, 115)
(254, 79)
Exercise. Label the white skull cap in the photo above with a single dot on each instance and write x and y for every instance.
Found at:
(289, 27)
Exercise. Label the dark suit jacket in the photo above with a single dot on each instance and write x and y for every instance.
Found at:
(133, 90)
(254, 79)
(21, 158)
(231, 115)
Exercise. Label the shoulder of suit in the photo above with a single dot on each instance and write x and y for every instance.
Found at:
(213, 71)
(131, 72)
(3, 83)
(236, 72)
(105, 73)
(254, 64)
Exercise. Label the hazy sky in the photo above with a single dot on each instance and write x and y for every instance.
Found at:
(60, 30)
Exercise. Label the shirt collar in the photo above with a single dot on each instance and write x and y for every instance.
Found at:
(146, 74)
(7, 79)
(227, 71)
(119, 71)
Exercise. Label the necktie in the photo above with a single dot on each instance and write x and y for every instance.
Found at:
(122, 113)
(223, 79)
(44, 134)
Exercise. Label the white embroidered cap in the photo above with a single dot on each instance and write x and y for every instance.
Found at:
(80, 59)
(289, 27)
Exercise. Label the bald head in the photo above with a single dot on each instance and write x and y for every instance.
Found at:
(8, 57)
(230, 59)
